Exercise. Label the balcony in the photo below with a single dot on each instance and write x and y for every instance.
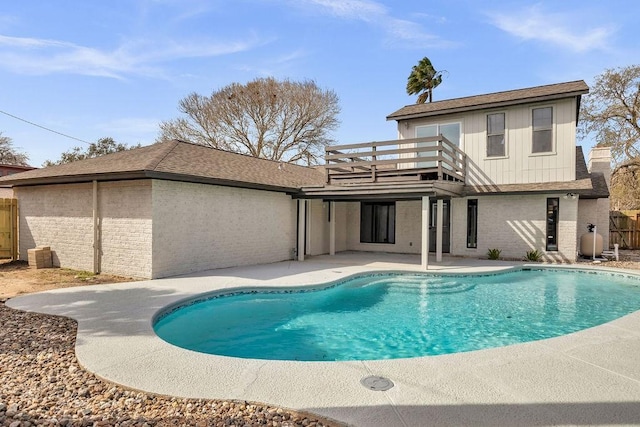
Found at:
(408, 160)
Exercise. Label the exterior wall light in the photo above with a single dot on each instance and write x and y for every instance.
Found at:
(571, 196)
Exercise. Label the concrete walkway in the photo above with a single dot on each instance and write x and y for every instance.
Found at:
(587, 378)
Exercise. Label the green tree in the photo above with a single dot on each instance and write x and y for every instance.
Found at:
(95, 149)
(423, 79)
(610, 114)
(9, 155)
(278, 120)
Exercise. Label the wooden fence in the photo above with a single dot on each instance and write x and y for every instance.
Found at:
(9, 228)
(624, 229)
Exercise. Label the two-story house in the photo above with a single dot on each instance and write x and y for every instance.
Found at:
(497, 171)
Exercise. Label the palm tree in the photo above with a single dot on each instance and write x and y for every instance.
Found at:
(423, 79)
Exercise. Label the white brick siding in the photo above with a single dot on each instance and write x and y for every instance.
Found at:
(594, 211)
(198, 227)
(515, 225)
(126, 228)
(61, 216)
(319, 226)
(408, 222)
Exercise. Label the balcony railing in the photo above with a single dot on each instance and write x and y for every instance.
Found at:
(430, 158)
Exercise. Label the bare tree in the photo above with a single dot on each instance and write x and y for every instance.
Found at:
(96, 149)
(9, 155)
(611, 113)
(278, 120)
(625, 188)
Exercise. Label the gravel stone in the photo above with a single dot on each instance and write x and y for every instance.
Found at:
(41, 383)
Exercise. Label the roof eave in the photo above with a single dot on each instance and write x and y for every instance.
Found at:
(167, 176)
(487, 106)
(77, 179)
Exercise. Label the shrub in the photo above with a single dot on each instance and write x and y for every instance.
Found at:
(533, 255)
(494, 253)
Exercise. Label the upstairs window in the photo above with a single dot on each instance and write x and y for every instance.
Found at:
(495, 135)
(451, 131)
(378, 222)
(542, 130)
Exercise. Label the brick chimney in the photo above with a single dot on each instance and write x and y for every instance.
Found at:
(600, 161)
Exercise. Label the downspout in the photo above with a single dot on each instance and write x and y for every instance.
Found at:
(96, 248)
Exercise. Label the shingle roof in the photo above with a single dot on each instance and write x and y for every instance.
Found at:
(491, 100)
(581, 164)
(182, 161)
(177, 160)
(587, 185)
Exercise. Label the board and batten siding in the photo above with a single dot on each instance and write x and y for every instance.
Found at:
(198, 227)
(519, 165)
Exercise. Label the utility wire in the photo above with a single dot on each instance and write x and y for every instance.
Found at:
(45, 128)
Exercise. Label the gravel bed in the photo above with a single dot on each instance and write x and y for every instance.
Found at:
(41, 383)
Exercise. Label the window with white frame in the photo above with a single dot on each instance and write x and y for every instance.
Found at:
(542, 121)
(451, 131)
(495, 135)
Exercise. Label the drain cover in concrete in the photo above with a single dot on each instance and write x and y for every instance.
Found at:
(377, 383)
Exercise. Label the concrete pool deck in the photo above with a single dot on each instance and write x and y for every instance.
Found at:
(591, 377)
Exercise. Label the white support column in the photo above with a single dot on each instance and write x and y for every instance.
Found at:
(439, 216)
(302, 215)
(424, 250)
(332, 228)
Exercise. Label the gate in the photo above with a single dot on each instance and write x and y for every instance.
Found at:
(9, 228)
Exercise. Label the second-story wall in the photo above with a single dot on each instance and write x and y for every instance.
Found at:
(518, 165)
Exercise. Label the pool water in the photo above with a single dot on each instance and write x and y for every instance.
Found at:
(389, 316)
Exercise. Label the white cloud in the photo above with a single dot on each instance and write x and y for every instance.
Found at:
(353, 9)
(142, 57)
(560, 29)
(376, 14)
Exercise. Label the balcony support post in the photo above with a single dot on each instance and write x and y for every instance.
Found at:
(439, 217)
(424, 249)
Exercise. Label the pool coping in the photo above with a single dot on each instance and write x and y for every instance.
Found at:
(590, 376)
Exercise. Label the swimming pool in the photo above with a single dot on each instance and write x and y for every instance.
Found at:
(389, 316)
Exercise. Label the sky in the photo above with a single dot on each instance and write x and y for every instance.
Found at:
(91, 69)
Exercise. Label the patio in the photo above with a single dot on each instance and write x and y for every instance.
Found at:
(587, 378)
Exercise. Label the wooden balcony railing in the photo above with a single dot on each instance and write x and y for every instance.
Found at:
(430, 158)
